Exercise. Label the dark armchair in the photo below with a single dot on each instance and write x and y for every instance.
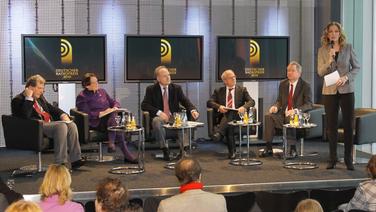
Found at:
(87, 135)
(31, 139)
(364, 129)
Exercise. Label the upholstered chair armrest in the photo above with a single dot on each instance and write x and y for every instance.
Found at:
(146, 123)
(316, 117)
(82, 121)
(20, 133)
(365, 132)
(210, 120)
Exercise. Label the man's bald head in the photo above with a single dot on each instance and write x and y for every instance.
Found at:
(187, 170)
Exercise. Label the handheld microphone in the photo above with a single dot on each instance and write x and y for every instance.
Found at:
(331, 44)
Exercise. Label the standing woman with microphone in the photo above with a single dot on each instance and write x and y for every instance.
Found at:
(337, 55)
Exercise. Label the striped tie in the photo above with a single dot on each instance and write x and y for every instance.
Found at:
(166, 107)
(229, 98)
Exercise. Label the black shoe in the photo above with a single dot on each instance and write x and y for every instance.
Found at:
(331, 165)
(293, 153)
(132, 161)
(186, 149)
(231, 155)
(350, 166)
(78, 163)
(111, 150)
(266, 153)
(179, 156)
(217, 137)
(166, 154)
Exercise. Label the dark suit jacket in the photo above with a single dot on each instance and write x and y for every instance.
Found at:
(302, 98)
(153, 100)
(242, 98)
(24, 108)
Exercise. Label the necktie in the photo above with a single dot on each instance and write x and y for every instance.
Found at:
(46, 116)
(289, 106)
(166, 107)
(229, 98)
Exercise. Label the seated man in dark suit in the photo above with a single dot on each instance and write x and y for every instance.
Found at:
(229, 96)
(31, 104)
(294, 93)
(162, 100)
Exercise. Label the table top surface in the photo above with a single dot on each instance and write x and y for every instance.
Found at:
(190, 124)
(304, 126)
(124, 129)
(240, 123)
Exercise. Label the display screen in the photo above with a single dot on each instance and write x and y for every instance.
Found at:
(64, 58)
(253, 58)
(182, 55)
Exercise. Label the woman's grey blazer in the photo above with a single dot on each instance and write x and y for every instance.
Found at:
(347, 65)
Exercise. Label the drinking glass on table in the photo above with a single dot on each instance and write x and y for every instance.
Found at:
(306, 117)
(241, 115)
(118, 120)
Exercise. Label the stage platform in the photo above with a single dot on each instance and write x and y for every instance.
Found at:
(218, 175)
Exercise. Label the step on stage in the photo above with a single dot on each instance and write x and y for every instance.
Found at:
(217, 174)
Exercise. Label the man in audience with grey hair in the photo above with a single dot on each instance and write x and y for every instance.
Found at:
(192, 197)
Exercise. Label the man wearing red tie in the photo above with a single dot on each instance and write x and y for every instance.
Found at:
(294, 93)
(227, 102)
(31, 104)
(162, 100)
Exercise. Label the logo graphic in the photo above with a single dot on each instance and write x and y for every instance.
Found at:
(65, 51)
(166, 52)
(254, 52)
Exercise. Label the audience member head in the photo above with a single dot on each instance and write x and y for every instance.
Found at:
(57, 180)
(371, 167)
(163, 75)
(333, 32)
(309, 205)
(188, 170)
(229, 78)
(111, 195)
(294, 71)
(36, 83)
(90, 82)
(23, 206)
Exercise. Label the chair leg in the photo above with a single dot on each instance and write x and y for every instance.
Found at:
(30, 169)
(359, 160)
(40, 162)
(100, 152)
(356, 160)
(100, 157)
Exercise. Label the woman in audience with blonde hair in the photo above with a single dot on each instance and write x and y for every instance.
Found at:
(23, 206)
(309, 205)
(56, 192)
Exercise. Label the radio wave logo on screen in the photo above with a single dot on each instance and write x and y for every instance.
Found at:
(65, 51)
(254, 52)
(166, 52)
